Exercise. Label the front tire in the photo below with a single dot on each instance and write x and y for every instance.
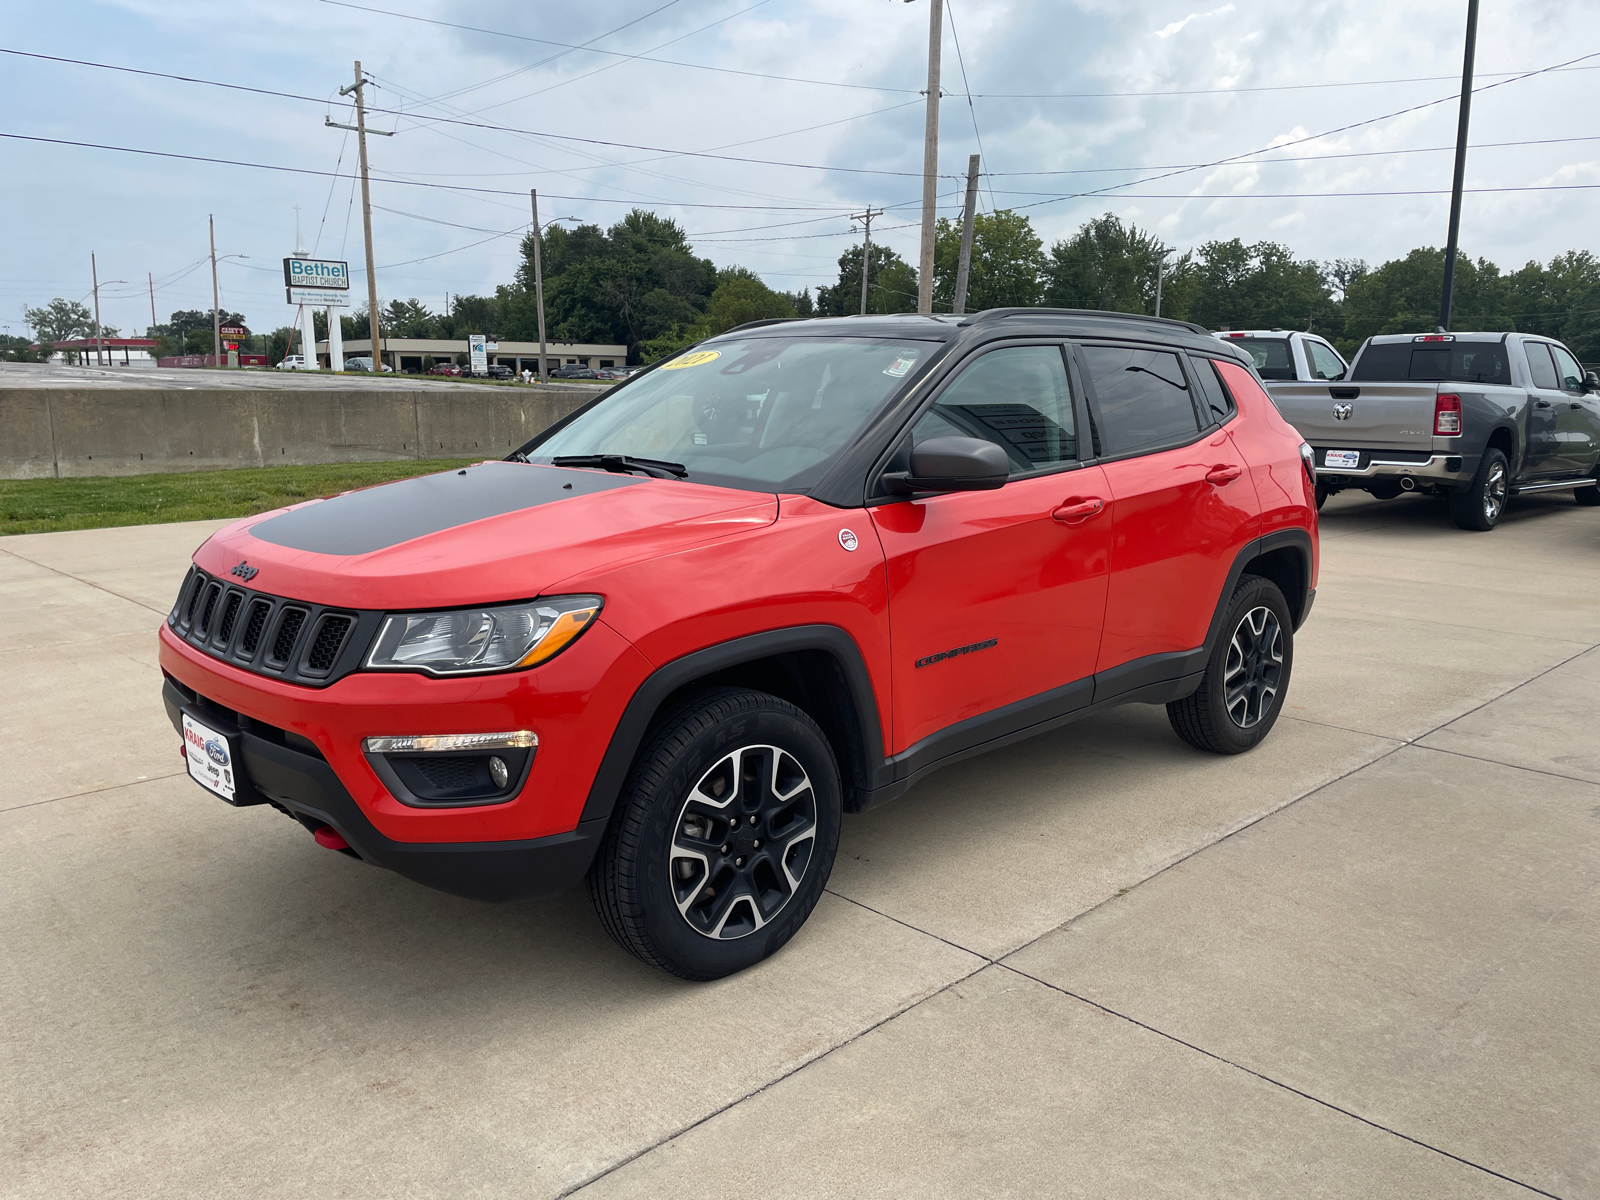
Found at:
(1246, 676)
(724, 836)
(1480, 505)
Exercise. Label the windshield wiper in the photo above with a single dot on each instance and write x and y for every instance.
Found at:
(624, 463)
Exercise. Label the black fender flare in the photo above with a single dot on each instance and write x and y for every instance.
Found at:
(636, 719)
(1296, 539)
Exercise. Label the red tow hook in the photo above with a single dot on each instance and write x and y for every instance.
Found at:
(327, 836)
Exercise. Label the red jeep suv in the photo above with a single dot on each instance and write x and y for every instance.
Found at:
(779, 577)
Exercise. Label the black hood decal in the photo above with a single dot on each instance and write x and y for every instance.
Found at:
(374, 519)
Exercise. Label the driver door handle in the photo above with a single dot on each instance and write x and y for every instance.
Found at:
(1075, 511)
(1223, 473)
(1543, 403)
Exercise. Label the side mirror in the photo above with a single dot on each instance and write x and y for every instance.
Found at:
(953, 464)
(1591, 382)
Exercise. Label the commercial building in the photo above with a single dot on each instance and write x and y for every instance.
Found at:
(406, 354)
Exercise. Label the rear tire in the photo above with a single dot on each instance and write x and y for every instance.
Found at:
(1481, 504)
(723, 838)
(1246, 676)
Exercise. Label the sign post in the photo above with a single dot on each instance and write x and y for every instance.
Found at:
(320, 283)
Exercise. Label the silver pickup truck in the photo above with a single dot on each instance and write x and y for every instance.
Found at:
(1480, 417)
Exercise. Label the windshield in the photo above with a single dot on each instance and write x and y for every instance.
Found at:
(765, 413)
(1270, 355)
(1455, 362)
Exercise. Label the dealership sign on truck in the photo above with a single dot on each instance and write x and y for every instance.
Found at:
(322, 282)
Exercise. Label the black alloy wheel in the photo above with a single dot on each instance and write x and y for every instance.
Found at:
(1479, 506)
(723, 838)
(1247, 674)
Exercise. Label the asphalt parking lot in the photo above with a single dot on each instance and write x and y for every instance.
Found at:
(1360, 961)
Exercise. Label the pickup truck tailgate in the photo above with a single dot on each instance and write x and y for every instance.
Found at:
(1369, 416)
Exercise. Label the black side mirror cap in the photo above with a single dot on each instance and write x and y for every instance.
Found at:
(953, 464)
(1591, 382)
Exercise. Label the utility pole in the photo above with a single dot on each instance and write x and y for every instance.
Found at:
(538, 281)
(94, 278)
(930, 158)
(866, 219)
(968, 215)
(360, 128)
(1461, 166)
(216, 298)
(1161, 270)
(150, 279)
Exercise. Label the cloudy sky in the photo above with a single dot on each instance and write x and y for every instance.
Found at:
(760, 125)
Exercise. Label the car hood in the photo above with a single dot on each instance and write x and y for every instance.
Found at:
(493, 532)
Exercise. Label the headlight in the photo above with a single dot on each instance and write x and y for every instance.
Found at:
(474, 641)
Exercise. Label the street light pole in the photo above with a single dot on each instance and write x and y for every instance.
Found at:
(538, 281)
(1161, 270)
(930, 158)
(94, 278)
(216, 299)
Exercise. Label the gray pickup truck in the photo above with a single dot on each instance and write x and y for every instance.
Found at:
(1480, 417)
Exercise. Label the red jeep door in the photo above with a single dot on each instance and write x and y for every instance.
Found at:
(1183, 505)
(997, 596)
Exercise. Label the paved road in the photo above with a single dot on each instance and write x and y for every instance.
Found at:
(60, 376)
(1360, 961)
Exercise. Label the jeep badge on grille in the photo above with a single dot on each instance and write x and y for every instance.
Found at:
(244, 571)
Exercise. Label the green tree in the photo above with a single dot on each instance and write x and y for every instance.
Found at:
(409, 319)
(741, 298)
(1112, 267)
(1008, 263)
(1260, 286)
(60, 321)
(1402, 296)
(892, 280)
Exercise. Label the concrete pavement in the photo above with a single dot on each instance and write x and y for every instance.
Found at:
(1359, 961)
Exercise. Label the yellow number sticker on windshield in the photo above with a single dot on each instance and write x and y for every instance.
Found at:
(696, 359)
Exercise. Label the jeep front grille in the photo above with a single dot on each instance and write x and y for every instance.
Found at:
(302, 643)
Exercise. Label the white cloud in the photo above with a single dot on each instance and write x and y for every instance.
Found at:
(1176, 26)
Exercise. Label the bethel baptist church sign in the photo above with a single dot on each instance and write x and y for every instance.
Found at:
(317, 281)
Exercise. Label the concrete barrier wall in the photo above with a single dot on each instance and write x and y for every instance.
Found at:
(59, 433)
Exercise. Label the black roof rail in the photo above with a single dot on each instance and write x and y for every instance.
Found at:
(759, 324)
(997, 314)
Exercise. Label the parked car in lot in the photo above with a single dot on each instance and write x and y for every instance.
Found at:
(496, 371)
(1281, 355)
(782, 576)
(574, 372)
(445, 369)
(612, 373)
(296, 362)
(364, 363)
(1477, 417)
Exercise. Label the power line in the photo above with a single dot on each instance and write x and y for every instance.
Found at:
(1227, 91)
(971, 108)
(449, 187)
(1296, 158)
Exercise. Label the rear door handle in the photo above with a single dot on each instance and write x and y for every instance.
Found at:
(1075, 511)
(1223, 473)
(1543, 403)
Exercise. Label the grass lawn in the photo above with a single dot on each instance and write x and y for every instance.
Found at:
(46, 505)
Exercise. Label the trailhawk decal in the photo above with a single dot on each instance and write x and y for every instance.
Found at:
(957, 652)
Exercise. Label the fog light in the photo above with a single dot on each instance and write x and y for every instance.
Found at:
(498, 771)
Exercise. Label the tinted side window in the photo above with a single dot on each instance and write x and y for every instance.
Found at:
(1568, 369)
(1018, 398)
(1143, 398)
(1214, 398)
(1325, 363)
(1540, 368)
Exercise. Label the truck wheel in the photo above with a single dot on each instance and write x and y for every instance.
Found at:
(1246, 677)
(1480, 504)
(723, 838)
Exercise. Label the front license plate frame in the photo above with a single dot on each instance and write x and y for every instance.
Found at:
(212, 757)
(1342, 459)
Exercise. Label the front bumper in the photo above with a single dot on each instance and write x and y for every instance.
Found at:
(301, 782)
(301, 748)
